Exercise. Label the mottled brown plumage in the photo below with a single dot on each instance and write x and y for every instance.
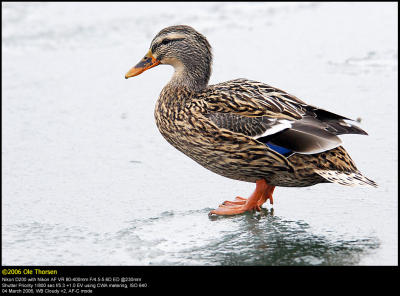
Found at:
(230, 127)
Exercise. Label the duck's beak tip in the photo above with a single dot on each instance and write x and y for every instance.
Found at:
(149, 61)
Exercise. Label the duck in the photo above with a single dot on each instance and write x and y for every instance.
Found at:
(242, 129)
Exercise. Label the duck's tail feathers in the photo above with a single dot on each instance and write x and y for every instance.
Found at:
(346, 178)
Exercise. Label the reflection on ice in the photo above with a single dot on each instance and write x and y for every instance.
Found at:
(269, 240)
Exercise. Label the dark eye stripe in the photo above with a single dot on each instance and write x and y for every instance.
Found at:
(164, 42)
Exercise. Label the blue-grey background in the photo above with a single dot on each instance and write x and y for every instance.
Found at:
(88, 180)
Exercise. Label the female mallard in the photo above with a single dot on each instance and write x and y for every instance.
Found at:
(242, 129)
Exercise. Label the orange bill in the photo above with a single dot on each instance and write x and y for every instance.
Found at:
(146, 63)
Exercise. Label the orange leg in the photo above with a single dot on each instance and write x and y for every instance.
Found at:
(240, 205)
(266, 196)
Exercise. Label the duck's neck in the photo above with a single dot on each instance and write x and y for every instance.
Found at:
(191, 76)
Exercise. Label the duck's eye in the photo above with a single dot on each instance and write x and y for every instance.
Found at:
(166, 41)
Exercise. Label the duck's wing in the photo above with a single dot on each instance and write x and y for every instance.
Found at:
(275, 117)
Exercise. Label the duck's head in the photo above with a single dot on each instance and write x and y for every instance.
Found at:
(185, 49)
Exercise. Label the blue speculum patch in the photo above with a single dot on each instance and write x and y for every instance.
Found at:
(279, 149)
